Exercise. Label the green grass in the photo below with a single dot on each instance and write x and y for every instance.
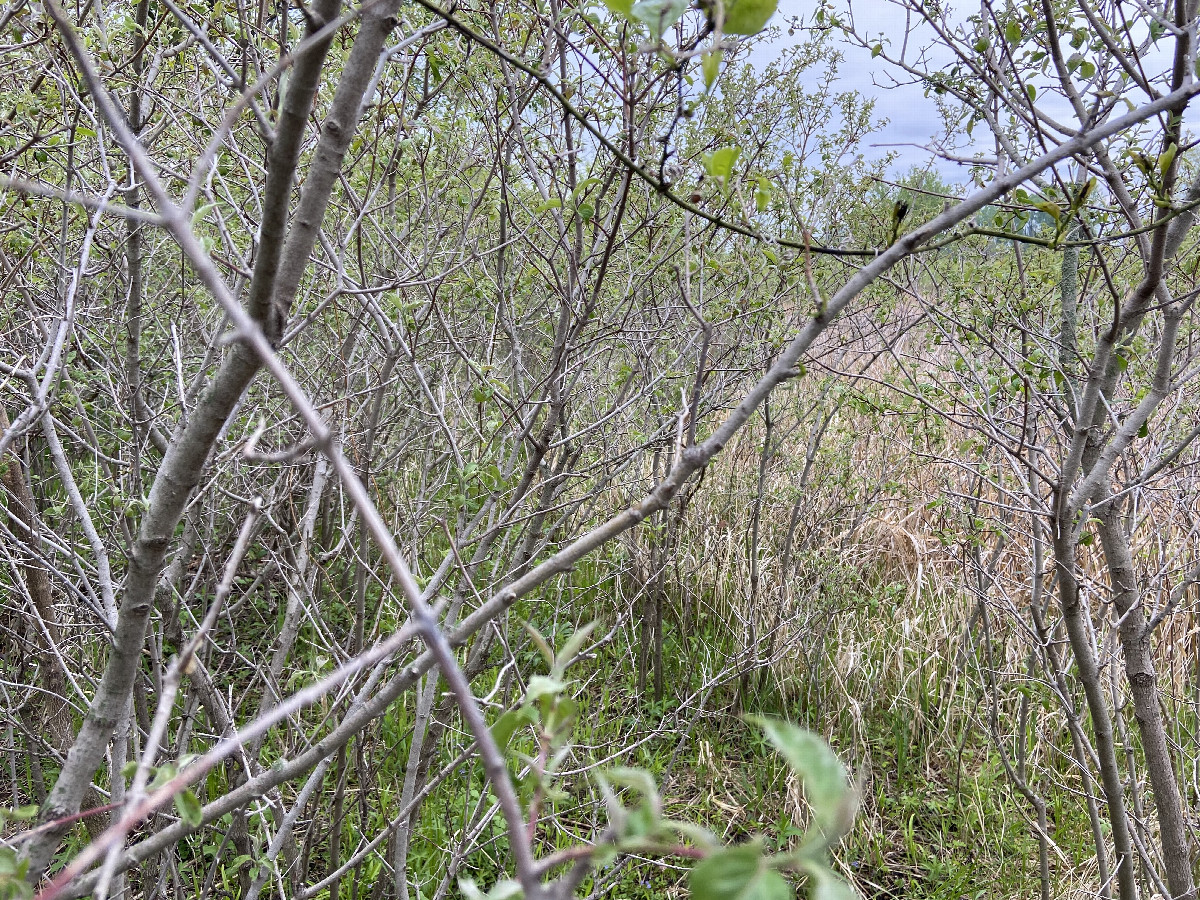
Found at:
(938, 811)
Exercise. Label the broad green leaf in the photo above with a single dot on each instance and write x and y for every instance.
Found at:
(542, 686)
(824, 884)
(189, 808)
(658, 15)
(552, 203)
(619, 7)
(15, 868)
(505, 889)
(719, 163)
(603, 855)
(710, 65)
(697, 834)
(162, 775)
(748, 16)
(737, 873)
(762, 194)
(583, 186)
(562, 715)
(1012, 32)
(505, 726)
(638, 779)
(641, 822)
(824, 776)
(200, 213)
(1050, 209)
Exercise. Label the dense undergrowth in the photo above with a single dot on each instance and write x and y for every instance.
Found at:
(579, 318)
(890, 688)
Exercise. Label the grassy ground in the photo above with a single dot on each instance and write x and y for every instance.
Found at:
(895, 696)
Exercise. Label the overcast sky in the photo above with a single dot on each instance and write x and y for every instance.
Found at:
(912, 118)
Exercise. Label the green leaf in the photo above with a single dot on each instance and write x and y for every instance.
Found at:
(762, 194)
(200, 213)
(559, 718)
(569, 650)
(737, 873)
(162, 775)
(1141, 161)
(505, 889)
(20, 814)
(1012, 32)
(129, 769)
(586, 211)
(1031, 91)
(618, 8)
(824, 776)
(699, 835)
(638, 779)
(13, 869)
(505, 726)
(982, 45)
(542, 686)
(545, 205)
(710, 65)
(658, 15)
(748, 16)
(542, 644)
(603, 855)
(876, 50)
(582, 187)
(641, 822)
(1166, 158)
(719, 163)
(189, 808)
(1087, 69)
(1051, 209)
(824, 884)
